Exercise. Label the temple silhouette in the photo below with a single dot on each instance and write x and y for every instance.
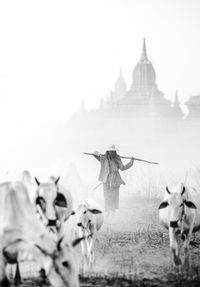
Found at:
(138, 113)
(143, 99)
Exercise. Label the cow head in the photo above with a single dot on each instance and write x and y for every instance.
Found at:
(64, 270)
(61, 265)
(176, 202)
(49, 199)
(85, 215)
(46, 197)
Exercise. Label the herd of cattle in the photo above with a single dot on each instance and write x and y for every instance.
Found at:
(33, 225)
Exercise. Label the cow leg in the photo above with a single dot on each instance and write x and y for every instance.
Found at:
(91, 247)
(92, 258)
(174, 247)
(17, 279)
(84, 251)
(84, 247)
(88, 251)
(186, 246)
(175, 257)
(10, 271)
(43, 275)
(3, 278)
(91, 254)
(14, 273)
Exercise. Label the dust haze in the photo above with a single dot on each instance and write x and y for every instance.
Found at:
(78, 76)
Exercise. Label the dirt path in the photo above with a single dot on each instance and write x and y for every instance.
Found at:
(133, 250)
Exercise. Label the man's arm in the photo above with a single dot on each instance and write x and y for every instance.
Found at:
(126, 166)
(96, 154)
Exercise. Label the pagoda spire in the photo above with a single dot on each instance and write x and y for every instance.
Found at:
(176, 98)
(176, 105)
(144, 51)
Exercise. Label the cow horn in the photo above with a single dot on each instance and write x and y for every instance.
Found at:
(59, 243)
(167, 189)
(183, 190)
(37, 181)
(57, 180)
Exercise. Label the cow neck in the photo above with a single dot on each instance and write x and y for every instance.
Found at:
(182, 217)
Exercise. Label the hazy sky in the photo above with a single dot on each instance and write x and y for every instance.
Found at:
(55, 53)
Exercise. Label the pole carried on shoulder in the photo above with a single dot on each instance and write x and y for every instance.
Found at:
(139, 159)
(128, 157)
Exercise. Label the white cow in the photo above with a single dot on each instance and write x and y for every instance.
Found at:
(21, 231)
(89, 219)
(178, 213)
(52, 201)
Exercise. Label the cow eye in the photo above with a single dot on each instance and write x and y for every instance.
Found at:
(65, 264)
(85, 212)
(40, 201)
(181, 204)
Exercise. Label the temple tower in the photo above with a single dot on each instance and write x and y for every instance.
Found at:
(144, 76)
(120, 87)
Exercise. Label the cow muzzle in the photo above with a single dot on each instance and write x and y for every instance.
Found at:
(52, 222)
(174, 224)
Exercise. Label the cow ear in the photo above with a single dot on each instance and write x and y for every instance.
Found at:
(95, 211)
(60, 200)
(163, 205)
(190, 204)
(26, 177)
(183, 190)
(37, 181)
(167, 189)
(57, 180)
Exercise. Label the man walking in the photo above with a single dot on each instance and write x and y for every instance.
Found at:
(110, 177)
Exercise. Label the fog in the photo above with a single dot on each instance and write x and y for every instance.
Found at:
(53, 56)
(173, 143)
(58, 150)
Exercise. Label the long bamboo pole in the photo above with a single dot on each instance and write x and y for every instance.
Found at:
(128, 157)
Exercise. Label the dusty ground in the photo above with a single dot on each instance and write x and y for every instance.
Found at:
(133, 250)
